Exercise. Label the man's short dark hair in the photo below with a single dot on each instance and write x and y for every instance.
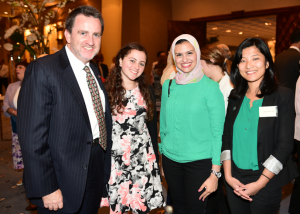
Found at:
(295, 37)
(85, 10)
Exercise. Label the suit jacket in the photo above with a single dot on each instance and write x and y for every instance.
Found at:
(105, 70)
(55, 133)
(275, 136)
(287, 66)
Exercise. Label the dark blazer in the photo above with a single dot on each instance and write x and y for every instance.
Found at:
(275, 135)
(287, 66)
(55, 133)
(105, 70)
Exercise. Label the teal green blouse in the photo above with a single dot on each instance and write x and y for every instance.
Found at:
(244, 144)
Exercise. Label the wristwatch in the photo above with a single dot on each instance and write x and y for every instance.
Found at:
(218, 174)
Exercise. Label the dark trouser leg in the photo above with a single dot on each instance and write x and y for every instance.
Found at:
(264, 202)
(174, 175)
(184, 180)
(294, 207)
(217, 201)
(94, 183)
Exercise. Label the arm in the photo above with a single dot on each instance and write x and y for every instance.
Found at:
(215, 105)
(7, 110)
(162, 119)
(34, 113)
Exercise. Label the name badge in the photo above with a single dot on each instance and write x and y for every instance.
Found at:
(268, 111)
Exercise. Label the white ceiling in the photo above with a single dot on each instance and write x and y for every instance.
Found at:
(250, 27)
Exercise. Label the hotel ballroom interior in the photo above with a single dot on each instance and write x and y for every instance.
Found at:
(152, 23)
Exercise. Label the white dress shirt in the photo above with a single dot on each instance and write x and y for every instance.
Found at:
(80, 75)
(297, 108)
(294, 47)
(225, 86)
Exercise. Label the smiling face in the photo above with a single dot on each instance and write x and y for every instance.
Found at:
(20, 71)
(185, 56)
(253, 65)
(132, 65)
(85, 39)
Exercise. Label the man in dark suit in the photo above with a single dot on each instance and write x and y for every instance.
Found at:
(287, 67)
(99, 59)
(287, 63)
(64, 122)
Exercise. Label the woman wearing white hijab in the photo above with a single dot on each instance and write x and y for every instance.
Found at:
(191, 128)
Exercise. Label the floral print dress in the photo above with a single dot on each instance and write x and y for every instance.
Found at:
(135, 182)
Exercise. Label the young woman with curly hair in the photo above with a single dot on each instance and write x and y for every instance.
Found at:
(135, 183)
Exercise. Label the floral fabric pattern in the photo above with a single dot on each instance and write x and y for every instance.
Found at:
(135, 183)
(16, 152)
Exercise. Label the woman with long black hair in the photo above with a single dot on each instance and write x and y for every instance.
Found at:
(258, 133)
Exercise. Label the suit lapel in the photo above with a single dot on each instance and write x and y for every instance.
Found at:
(236, 109)
(268, 101)
(72, 83)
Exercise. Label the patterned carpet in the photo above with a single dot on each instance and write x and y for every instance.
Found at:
(13, 198)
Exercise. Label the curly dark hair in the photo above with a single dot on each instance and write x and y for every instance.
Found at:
(116, 91)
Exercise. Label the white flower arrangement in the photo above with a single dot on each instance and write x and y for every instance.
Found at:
(10, 31)
(8, 46)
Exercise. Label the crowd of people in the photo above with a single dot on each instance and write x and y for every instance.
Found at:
(87, 135)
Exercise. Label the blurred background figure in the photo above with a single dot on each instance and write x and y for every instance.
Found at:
(157, 55)
(112, 65)
(10, 110)
(3, 76)
(157, 73)
(99, 58)
(226, 51)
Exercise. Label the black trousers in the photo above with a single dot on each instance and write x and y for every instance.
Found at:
(217, 202)
(264, 202)
(294, 207)
(184, 180)
(94, 185)
(3, 81)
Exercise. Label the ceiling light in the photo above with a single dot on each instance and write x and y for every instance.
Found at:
(240, 33)
(228, 31)
(25, 5)
(5, 12)
(214, 28)
(268, 23)
(273, 38)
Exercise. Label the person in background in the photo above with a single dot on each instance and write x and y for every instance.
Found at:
(217, 67)
(3, 76)
(170, 70)
(258, 133)
(99, 59)
(10, 110)
(287, 63)
(287, 68)
(157, 55)
(191, 127)
(112, 65)
(225, 50)
(135, 183)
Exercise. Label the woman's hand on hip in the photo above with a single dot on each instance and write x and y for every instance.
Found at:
(210, 185)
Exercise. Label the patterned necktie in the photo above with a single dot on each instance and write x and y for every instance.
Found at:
(97, 104)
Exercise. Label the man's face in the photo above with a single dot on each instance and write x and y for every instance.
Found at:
(85, 39)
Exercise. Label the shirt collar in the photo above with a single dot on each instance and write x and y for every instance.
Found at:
(294, 47)
(76, 64)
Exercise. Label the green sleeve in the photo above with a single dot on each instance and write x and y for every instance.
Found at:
(216, 106)
(162, 119)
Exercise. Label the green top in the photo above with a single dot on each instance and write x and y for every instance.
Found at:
(244, 143)
(192, 121)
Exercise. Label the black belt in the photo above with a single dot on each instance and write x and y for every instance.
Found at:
(95, 142)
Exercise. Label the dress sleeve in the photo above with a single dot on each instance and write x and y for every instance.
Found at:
(215, 104)
(6, 106)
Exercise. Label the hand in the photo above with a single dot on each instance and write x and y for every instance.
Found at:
(238, 187)
(253, 188)
(210, 185)
(53, 201)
